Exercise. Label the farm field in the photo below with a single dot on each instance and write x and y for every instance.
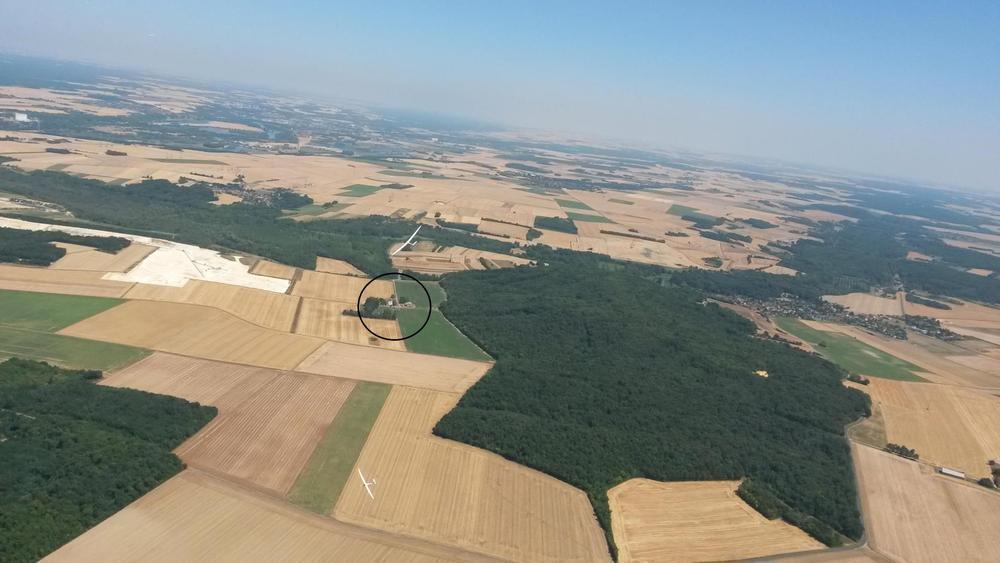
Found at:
(85, 258)
(868, 304)
(333, 266)
(367, 363)
(326, 319)
(264, 308)
(272, 270)
(318, 486)
(411, 291)
(947, 425)
(28, 321)
(437, 261)
(193, 330)
(333, 287)
(26, 278)
(170, 524)
(850, 353)
(912, 514)
(439, 337)
(445, 491)
(695, 521)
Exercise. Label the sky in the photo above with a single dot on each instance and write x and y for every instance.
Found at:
(903, 89)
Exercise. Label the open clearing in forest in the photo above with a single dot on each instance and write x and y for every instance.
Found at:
(439, 261)
(438, 337)
(947, 425)
(445, 491)
(695, 521)
(70, 282)
(913, 514)
(319, 484)
(28, 320)
(333, 266)
(269, 421)
(198, 517)
(84, 258)
(850, 353)
(194, 330)
(326, 319)
(334, 287)
(265, 308)
(367, 363)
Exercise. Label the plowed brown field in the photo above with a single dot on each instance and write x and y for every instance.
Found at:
(195, 330)
(695, 521)
(449, 492)
(391, 366)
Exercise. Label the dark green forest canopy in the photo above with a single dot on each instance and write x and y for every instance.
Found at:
(602, 376)
(35, 248)
(74, 452)
(186, 214)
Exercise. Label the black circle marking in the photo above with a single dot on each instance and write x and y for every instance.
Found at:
(429, 306)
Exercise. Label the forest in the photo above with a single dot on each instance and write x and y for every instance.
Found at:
(74, 452)
(602, 376)
(162, 209)
(35, 248)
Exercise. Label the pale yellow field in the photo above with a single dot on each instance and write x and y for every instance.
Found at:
(947, 425)
(268, 439)
(695, 521)
(914, 515)
(513, 232)
(444, 491)
(44, 100)
(194, 330)
(326, 319)
(272, 270)
(84, 258)
(198, 517)
(265, 308)
(332, 266)
(346, 289)
(367, 363)
(868, 304)
(452, 259)
(27, 278)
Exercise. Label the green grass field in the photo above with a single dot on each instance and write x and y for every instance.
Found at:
(572, 204)
(48, 312)
(320, 483)
(406, 289)
(359, 190)
(851, 354)
(682, 210)
(588, 218)
(27, 321)
(439, 337)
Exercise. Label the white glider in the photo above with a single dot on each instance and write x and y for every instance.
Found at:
(367, 484)
(408, 241)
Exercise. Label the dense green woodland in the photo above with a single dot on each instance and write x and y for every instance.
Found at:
(602, 376)
(73, 452)
(160, 208)
(35, 248)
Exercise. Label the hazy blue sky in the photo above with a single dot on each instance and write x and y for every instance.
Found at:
(909, 89)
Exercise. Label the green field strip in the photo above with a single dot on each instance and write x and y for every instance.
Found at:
(319, 485)
(439, 337)
(49, 312)
(587, 218)
(572, 204)
(683, 210)
(409, 290)
(66, 351)
(621, 201)
(852, 354)
(358, 190)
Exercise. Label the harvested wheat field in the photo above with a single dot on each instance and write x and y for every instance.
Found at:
(85, 258)
(695, 521)
(326, 319)
(453, 259)
(368, 363)
(198, 517)
(913, 514)
(346, 289)
(947, 425)
(28, 278)
(272, 270)
(449, 492)
(268, 438)
(333, 266)
(195, 330)
(868, 304)
(265, 308)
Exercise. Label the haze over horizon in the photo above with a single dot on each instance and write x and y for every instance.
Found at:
(849, 85)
